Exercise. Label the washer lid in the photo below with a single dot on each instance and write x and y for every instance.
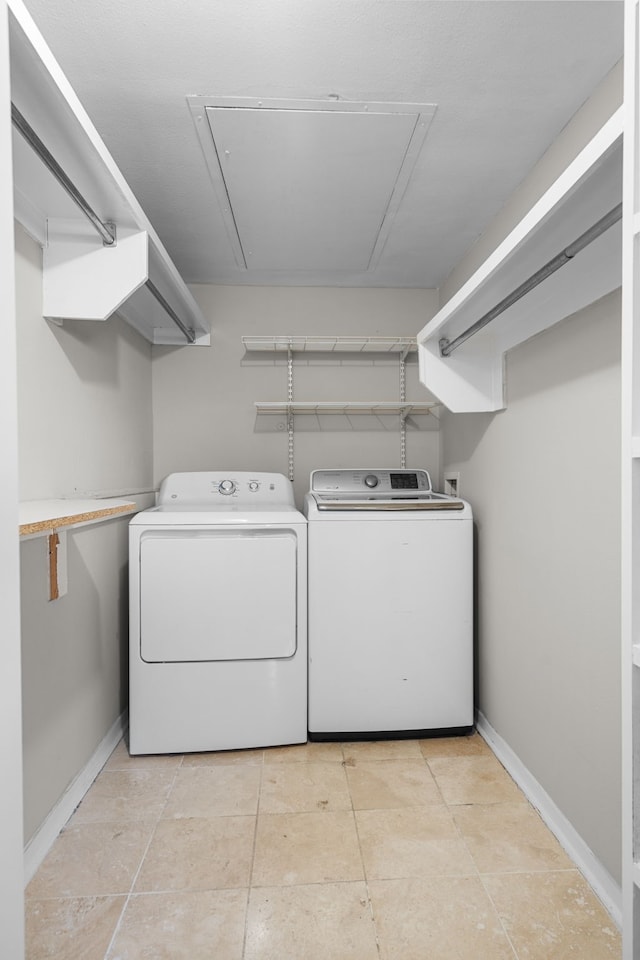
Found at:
(429, 501)
(377, 491)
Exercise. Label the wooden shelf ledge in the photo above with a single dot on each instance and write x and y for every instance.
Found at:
(44, 517)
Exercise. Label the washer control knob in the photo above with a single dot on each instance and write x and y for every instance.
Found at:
(227, 487)
(254, 485)
(371, 480)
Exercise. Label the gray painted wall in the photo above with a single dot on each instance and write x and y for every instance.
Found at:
(84, 398)
(11, 861)
(544, 480)
(84, 427)
(203, 399)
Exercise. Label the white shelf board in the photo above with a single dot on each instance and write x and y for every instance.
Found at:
(636, 874)
(43, 95)
(472, 378)
(41, 517)
(382, 408)
(635, 447)
(331, 344)
(636, 654)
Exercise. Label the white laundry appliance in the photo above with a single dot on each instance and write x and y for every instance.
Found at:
(218, 615)
(390, 606)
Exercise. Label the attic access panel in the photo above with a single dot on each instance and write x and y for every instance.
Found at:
(309, 185)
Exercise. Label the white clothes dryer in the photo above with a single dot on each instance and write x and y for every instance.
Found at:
(218, 615)
(390, 606)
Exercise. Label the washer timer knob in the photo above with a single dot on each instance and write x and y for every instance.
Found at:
(371, 480)
(227, 487)
(254, 485)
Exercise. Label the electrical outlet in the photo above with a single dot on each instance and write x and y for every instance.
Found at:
(452, 483)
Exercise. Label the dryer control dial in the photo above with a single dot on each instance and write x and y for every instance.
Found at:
(254, 486)
(227, 487)
(371, 480)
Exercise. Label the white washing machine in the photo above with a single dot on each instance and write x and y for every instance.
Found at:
(218, 615)
(390, 606)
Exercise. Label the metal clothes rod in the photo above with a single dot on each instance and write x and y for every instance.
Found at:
(106, 231)
(448, 346)
(188, 332)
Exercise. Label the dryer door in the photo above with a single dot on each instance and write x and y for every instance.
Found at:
(217, 595)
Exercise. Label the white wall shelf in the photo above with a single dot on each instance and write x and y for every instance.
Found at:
(347, 407)
(291, 345)
(472, 378)
(82, 278)
(331, 344)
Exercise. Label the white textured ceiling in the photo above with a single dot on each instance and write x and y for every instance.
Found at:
(506, 77)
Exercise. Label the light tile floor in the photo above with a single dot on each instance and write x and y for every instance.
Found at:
(393, 850)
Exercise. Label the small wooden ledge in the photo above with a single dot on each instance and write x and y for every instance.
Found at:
(44, 517)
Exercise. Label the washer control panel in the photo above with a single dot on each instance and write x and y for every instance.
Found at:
(368, 483)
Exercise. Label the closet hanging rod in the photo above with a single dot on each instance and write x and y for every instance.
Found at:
(188, 331)
(448, 346)
(106, 230)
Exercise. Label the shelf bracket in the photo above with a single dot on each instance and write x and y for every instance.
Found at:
(57, 563)
(290, 411)
(83, 279)
(403, 413)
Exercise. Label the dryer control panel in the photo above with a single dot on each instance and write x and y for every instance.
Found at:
(371, 483)
(201, 488)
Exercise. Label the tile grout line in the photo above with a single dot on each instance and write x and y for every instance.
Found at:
(364, 869)
(435, 780)
(142, 859)
(253, 858)
(473, 861)
(480, 878)
(502, 923)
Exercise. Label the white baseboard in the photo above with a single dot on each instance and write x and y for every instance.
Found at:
(44, 837)
(603, 884)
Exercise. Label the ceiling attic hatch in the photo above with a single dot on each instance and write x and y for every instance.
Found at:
(309, 185)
